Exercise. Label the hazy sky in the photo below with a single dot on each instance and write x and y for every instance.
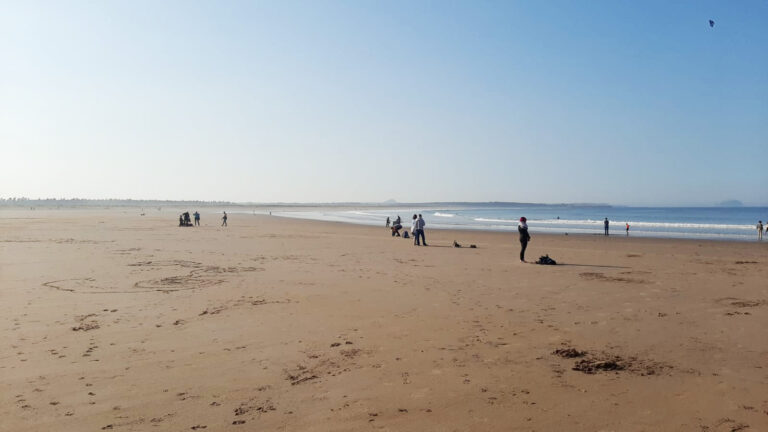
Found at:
(622, 102)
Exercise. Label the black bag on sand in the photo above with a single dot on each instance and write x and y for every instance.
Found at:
(405, 234)
(546, 260)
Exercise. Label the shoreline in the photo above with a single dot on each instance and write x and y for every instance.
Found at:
(170, 213)
(598, 232)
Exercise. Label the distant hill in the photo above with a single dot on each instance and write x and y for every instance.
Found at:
(731, 203)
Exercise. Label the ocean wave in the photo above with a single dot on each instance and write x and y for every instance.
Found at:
(362, 213)
(448, 215)
(495, 220)
(621, 224)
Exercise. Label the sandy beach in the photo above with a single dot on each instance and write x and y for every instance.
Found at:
(114, 321)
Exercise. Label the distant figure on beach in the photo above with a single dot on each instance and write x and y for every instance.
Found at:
(422, 224)
(605, 222)
(522, 228)
(224, 219)
(387, 222)
(627, 229)
(759, 230)
(197, 218)
(398, 221)
(181, 220)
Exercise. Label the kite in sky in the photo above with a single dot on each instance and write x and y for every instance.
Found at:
(711, 23)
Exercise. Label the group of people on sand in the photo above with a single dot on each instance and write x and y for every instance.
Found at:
(417, 229)
(185, 220)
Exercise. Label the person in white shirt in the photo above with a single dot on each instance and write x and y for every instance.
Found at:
(415, 230)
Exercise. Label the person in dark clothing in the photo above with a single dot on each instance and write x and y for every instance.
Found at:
(415, 230)
(605, 222)
(224, 219)
(522, 228)
(396, 230)
(387, 221)
(197, 218)
(422, 224)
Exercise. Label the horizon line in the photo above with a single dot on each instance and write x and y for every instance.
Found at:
(133, 201)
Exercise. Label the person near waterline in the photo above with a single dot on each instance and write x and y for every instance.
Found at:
(224, 219)
(627, 228)
(387, 222)
(522, 228)
(422, 224)
(605, 222)
(197, 218)
(760, 230)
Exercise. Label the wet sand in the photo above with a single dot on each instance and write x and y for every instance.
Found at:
(113, 321)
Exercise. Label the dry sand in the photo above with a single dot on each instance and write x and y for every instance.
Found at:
(112, 321)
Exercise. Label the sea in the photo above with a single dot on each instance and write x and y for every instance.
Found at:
(714, 223)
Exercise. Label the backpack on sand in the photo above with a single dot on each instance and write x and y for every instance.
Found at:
(546, 260)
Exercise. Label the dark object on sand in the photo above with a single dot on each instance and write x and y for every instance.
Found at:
(405, 234)
(569, 353)
(546, 260)
(592, 366)
(457, 245)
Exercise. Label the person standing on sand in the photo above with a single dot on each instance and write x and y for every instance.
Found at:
(605, 222)
(422, 224)
(522, 228)
(627, 229)
(759, 230)
(224, 219)
(415, 230)
(387, 222)
(197, 218)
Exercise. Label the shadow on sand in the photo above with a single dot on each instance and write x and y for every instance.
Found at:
(593, 265)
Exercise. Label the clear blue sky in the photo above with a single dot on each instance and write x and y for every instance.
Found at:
(559, 101)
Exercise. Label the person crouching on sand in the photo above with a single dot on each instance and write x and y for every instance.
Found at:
(522, 228)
